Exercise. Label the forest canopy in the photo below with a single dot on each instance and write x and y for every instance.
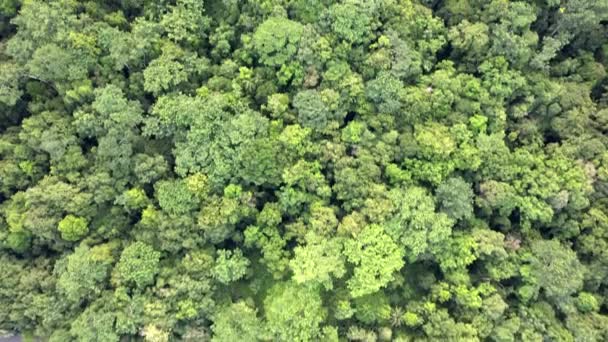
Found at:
(304, 170)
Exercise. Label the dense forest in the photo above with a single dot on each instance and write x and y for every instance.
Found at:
(304, 170)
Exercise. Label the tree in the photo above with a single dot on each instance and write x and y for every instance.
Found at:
(272, 246)
(470, 39)
(276, 40)
(83, 274)
(164, 74)
(130, 49)
(555, 269)
(137, 267)
(372, 308)
(352, 21)
(73, 228)
(415, 224)
(96, 323)
(306, 170)
(185, 22)
(174, 197)
(456, 253)
(148, 168)
(440, 325)
(356, 180)
(230, 266)
(234, 322)
(217, 142)
(174, 67)
(220, 216)
(376, 257)
(386, 92)
(499, 79)
(40, 23)
(318, 262)
(455, 198)
(50, 63)
(9, 8)
(294, 313)
(261, 162)
(133, 199)
(314, 109)
(40, 209)
(9, 84)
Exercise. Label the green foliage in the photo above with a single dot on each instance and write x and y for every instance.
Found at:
(318, 262)
(96, 323)
(376, 258)
(230, 266)
(9, 84)
(314, 109)
(40, 209)
(137, 267)
(133, 199)
(352, 20)
(294, 313)
(174, 197)
(171, 69)
(586, 302)
(83, 274)
(555, 268)
(372, 308)
(185, 22)
(50, 63)
(416, 224)
(304, 170)
(72, 228)
(455, 198)
(236, 322)
(276, 40)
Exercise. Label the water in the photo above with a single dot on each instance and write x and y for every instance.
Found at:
(11, 339)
